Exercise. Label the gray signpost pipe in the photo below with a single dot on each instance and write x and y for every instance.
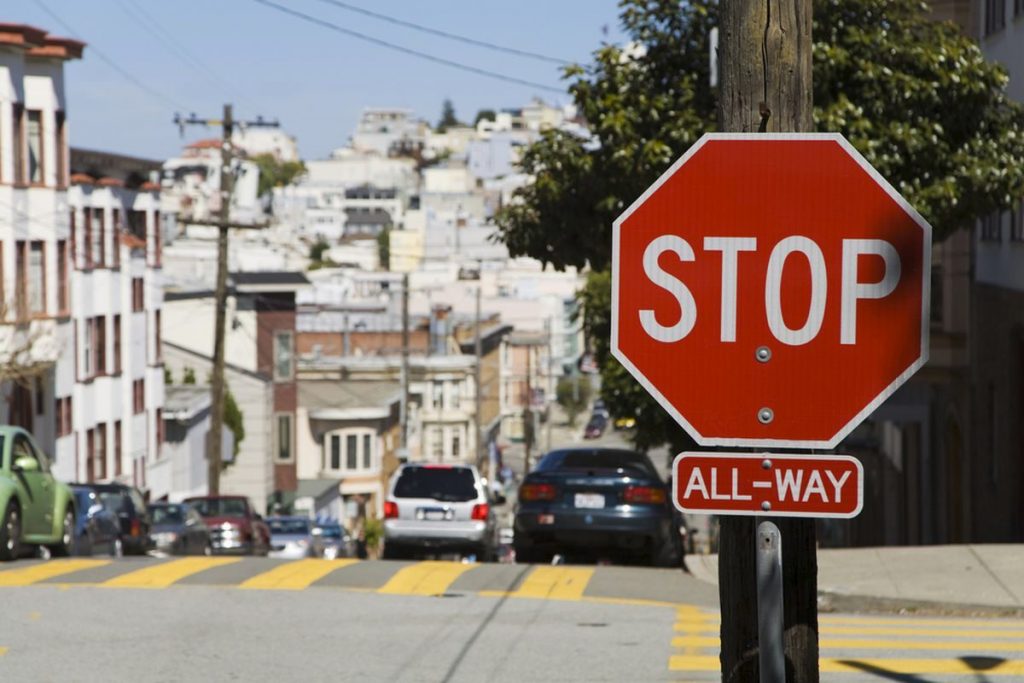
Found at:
(769, 603)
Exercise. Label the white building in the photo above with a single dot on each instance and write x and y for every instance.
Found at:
(116, 300)
(256, 140)
(389, 131)
(191, 184)
(37, 340)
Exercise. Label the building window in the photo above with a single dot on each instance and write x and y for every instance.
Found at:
(90, 455)
(157, 352)
(100, 324)
(115, 231)
(61, 145)
(99, 235)
(992, 227)
(456, 398)
(117, 344)
(138, 302)
(62, 277)
(100, 434)
(284, 436)
(438, 398)
(159, 429)
(283, 366)
(456, 446)
(36, 278)
(117, 448)
(995, 16)
(351, 456)
(139, 396)
(62, 419)
(367, 451)
(35, 147)
(87, 357)
(87, 239)
(19, 144)
(437, 444)
(335, 452)
(73, 225)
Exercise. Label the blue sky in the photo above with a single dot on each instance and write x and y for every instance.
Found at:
(315, 81)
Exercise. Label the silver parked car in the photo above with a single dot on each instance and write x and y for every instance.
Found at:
(331, 541)
(437, 509)
(290, 537)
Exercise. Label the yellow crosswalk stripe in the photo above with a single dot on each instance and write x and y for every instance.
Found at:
(46, 570)
(3, 651)
(167, 573)
(713, 627)
(690, 642)
(555, 583)
(896, 666)
(430, 577)
(826, 620)
(295, 575)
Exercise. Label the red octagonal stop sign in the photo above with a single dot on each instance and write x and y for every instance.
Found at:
(771, 290)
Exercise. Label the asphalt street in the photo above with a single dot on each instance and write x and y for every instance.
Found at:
(256, 619)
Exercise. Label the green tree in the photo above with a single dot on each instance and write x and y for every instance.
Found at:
(484, 115)
(188, 376)
(317, 249)
(573, 394)
(168, 379)
(448, 118)
(233, 418)
(384, 248)
(276, 173)
(914, 96)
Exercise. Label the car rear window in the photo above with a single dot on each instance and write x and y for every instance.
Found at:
(288, 526)
(167, 514)
(597, 459)
(219, 507)
(447, 484)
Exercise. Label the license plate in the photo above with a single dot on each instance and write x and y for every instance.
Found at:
(589, 500)
(435, 515)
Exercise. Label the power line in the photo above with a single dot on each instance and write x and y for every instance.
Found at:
(110, 62)
(139, 14)
(406, 50)
(445, 34)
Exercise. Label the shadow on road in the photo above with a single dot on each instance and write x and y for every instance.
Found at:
(978, 664)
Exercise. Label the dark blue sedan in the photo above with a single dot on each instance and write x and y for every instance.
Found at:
(596, 503)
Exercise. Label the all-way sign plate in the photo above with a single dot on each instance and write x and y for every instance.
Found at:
(768, 484)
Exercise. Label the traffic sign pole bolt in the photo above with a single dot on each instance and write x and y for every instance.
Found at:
(766, 464)
(766, 506)
(765, 415)
(763, 354)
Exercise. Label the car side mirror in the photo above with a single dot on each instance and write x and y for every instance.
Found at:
(26, 463)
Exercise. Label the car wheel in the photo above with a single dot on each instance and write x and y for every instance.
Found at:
(528, 554)
(394, 552)
(10, 533)
(67, 535)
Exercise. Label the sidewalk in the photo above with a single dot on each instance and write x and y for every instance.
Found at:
(988, 578)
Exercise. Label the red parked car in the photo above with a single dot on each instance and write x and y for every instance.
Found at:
(235, 528)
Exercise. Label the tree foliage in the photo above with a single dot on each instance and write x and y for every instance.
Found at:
(914, 96)
(233, 418)
(573, 394)
(448, 118)
(276, 173)
(484, 115)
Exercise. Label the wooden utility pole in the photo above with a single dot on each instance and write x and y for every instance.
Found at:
(481, 451)
(214, 443)
(764, 57)
(403, 406)
(527, 411)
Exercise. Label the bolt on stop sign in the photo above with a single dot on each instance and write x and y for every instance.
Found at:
(770, 290)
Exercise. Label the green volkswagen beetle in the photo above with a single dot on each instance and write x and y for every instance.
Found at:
(37, 509)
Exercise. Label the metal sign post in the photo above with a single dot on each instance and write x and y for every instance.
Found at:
(768, 552)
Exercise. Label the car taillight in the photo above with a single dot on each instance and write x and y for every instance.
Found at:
(480, 511)
(530, 492)
(390, 510)
(136, 527)
(643, 494)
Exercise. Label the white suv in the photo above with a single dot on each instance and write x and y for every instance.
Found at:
(438, 508)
